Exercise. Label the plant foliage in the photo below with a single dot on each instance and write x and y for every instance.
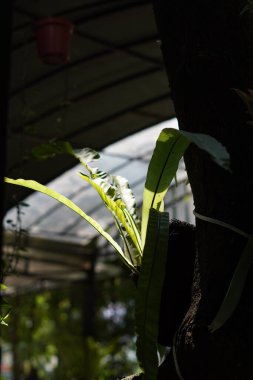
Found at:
(149, 292)
(144, 248)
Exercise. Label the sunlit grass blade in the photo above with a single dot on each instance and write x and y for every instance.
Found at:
(149, 290)
(62, 199)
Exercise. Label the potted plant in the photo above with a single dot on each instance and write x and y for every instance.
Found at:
(53, 36)
(145, 242)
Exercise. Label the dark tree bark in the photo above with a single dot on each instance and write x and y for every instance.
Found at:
(208, 52)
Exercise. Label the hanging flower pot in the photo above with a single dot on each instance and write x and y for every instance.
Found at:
(53, 36)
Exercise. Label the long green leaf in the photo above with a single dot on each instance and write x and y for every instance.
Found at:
(149, 290)
(62, 199)
(235, 289)
(114, 207)
(170, 147)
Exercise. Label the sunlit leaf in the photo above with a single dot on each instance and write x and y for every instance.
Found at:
(170, 147)
(132, 222)
(120, 201)
(116, 208)
(62, 199)
(86, 155)
(125, 193)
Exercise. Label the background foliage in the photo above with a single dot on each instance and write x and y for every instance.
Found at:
(49, 331)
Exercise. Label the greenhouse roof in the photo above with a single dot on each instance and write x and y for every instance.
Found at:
(113, 85)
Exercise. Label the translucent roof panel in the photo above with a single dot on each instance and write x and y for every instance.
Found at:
(45, 217)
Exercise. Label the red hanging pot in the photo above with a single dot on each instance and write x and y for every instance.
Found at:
(53, 36)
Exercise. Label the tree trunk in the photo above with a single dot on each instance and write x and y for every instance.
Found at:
(208, 52)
